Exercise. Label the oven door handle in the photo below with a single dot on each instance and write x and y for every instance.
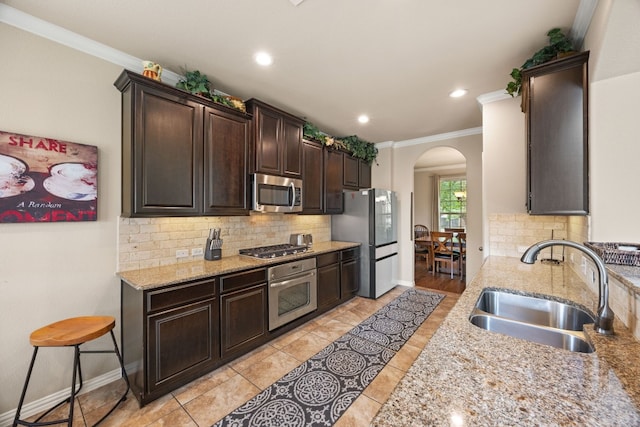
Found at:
(290, 281)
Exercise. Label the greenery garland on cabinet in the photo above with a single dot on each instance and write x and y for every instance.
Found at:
(198, 84)
(359, 148)
(559, 45)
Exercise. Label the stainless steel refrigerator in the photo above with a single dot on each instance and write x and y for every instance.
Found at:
(370, 218)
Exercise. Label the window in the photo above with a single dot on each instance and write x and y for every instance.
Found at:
(453, 202)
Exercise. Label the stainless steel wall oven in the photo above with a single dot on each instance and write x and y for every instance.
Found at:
(293, 291)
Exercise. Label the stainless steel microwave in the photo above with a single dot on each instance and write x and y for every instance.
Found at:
(276, 193)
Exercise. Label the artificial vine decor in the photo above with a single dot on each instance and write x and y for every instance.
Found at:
(358, 148)
(199, 84)
(559, 44)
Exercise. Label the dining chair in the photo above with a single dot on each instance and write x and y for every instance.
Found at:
(454, 230)
(421, 250)
(462, 250)
(443, 250)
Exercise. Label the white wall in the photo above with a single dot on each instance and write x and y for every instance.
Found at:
(422, 198)
(614, 158)
(51, 271)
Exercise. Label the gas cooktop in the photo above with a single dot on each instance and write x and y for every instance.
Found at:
(274, 251)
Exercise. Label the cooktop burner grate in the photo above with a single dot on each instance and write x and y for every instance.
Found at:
(273, 251)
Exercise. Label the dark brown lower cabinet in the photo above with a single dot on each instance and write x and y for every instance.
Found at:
(182, 340)
(243, 319)
(349, 273)
(170, 336)
(328, 280)
(175, 334)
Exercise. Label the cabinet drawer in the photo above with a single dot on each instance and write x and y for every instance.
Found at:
(165, 298)
(243, 280)
(327, 259)
(349, 254)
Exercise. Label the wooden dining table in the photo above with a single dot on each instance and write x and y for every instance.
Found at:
(425, 241)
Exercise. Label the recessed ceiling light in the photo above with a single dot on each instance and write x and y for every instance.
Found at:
(263, 58)
(363, 118)
(458, 93)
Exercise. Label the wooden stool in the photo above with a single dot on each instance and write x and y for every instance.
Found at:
(71, 332)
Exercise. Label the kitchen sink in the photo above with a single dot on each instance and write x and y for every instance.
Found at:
(535, 310)
(533, 318)
(567, 340)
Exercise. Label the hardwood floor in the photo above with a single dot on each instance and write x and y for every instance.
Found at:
(440, 281)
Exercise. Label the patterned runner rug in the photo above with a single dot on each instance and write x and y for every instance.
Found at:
(320, 390)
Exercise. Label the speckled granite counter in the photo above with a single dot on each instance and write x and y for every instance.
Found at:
(467, 376)
(148, 278)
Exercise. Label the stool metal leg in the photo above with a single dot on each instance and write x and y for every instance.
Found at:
(70, 399)
(77, 374)
(16, 419)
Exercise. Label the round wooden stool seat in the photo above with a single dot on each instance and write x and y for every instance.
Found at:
(72, 331)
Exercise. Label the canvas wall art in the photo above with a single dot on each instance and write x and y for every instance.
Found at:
(47, 180)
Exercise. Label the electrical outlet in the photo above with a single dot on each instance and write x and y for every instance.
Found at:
(182, 253)
(196, 251)
(592, 275)
(583, 265)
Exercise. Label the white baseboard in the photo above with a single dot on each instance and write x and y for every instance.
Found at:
(42, 404)
(409, 283)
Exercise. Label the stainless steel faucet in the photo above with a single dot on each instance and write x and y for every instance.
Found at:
(604, 318)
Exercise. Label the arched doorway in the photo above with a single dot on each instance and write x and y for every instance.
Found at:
(439, 196)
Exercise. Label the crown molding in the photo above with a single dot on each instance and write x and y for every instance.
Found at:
(439, 137)
(385, 144)
(47, 30)
(498, 95)
(581, 22)
(457, 166)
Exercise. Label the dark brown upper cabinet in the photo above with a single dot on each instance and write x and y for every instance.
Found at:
(364, 174)
(312, 178)
(277, 140)
(351, 172)
(182, 155)
(333, 181)
(555, 102)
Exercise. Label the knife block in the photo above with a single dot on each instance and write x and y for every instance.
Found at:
(212, 249)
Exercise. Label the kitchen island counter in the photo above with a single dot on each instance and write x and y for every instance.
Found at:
(153, 277)
(467, 376)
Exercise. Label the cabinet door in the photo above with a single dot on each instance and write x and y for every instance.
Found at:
(226, 139)
(350, 173)
(292, 147)
(333, 182)
(268, 149)
(557, 125)
(328, 280)
(349, 273)
(181, 342)
(312, 179)
(243, 317)
(364, 174)
(167, 154)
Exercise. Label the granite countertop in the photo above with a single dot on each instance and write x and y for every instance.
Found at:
(467, 376)
(149, 278)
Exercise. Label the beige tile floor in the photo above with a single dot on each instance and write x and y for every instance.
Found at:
(209, 398)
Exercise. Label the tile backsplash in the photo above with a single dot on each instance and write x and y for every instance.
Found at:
(511, 234)
(152, 242)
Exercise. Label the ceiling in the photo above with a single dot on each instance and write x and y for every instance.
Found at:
(395, 60)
